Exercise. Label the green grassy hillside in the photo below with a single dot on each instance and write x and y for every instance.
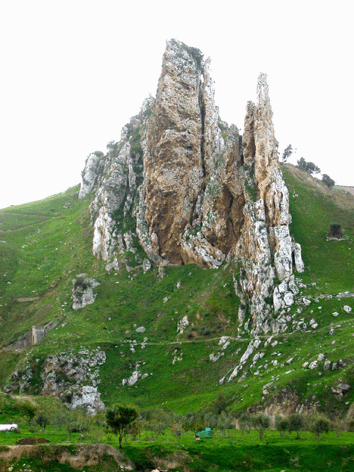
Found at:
(46, 244)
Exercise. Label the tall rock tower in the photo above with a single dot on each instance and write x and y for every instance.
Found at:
(187, 188)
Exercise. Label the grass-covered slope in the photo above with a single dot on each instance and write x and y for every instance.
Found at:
(48, 243)
(314, 207)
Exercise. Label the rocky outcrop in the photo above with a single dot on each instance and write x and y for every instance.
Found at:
(82, 293)
(114, 179)
(86, 397)
(188, 188)
(66, 369)
(265, 247)
(190, 198)
(72, 377)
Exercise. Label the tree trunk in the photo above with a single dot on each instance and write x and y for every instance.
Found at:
(120, 441)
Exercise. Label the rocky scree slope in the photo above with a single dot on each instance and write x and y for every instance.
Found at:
(187, 188)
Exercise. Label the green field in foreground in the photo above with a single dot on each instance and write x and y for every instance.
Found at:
(232, 451)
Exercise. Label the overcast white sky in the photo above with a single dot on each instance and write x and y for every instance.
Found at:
(74, 71)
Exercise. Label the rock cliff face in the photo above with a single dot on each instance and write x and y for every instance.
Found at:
(187, 188)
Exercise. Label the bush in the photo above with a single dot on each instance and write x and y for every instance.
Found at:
(335, 231)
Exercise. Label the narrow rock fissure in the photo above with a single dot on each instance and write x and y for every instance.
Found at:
(202, 119)
(231, 201)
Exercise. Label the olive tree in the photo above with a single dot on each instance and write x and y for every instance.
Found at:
(42, 419)
(282, 424)
(319, 425)
(120, 418)
(297, 423)
(261, 422)
(244, 422)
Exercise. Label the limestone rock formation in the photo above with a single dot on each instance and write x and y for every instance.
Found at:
(87, 397)
(72, 377)
(82, 293)
(187, 188)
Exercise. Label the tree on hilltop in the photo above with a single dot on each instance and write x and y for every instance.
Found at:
(308, 167)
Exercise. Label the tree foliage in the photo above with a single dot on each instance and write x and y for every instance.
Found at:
(42, 419)
(320, 424)
(297, 423)
(261, 422)
(27, 410)
(120, 418)
(328, 181)
(287, 153)
(308, 167)
(244, 422)
(282, 424)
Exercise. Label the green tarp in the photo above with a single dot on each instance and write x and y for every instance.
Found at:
(207, 433)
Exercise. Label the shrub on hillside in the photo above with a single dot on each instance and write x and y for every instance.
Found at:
(335, 231)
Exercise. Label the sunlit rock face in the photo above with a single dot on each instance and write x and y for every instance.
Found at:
(193, 200)
(187, 188)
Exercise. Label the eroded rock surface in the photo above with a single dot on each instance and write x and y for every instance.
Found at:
(82, 293)
(72, 377)
(195, 191)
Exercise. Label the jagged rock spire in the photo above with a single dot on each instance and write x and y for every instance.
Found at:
(180, 172)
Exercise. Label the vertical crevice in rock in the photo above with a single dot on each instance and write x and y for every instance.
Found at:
(202, 121)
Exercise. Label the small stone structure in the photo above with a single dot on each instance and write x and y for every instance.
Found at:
(38, 333)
